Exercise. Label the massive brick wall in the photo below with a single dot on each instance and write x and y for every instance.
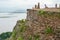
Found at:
(38, 23)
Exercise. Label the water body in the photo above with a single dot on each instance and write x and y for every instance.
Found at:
(8, 20)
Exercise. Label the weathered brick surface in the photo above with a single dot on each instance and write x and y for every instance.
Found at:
(38, 23)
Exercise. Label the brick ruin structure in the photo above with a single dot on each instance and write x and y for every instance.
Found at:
(39, 23)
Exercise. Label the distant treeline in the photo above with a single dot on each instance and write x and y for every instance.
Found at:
(6, 35)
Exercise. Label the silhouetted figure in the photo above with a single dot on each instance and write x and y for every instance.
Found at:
(46, 6)
(38, 5)
(55, 5)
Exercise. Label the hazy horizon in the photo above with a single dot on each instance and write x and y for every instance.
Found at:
(13, 5)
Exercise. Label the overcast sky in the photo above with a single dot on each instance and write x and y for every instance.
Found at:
(10, 5)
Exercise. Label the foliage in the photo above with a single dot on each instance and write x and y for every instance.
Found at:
(6, 35)
(22, 28)
(22, 25)
(48, 30)
(41, 12)
(20, 38)
(36, 37)
(22, 21)
(14, 33)
(30, 37)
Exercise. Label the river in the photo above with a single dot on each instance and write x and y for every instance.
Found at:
(8, 21)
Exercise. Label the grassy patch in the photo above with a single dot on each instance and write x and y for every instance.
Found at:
(41, 12)
(30, 37)
(14, 33)
(36, 37)
(48, 30)
(22, 28)
(22, 25)
(22, 21)
(20, 38)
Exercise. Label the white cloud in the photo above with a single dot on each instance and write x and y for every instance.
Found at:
(25, 3)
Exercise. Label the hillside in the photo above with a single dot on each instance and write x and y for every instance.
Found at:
(39, 25)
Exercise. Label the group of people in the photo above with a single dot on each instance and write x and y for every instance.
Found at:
(38, 6)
